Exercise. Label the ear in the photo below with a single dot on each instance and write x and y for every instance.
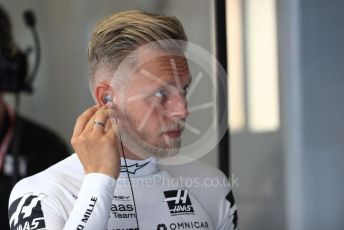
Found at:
(101, 91)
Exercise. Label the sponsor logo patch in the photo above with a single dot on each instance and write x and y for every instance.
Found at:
(122, 198)
(161, 227)
(184, 225)
(123, 211)
(88, 213)
(133, 168)
(178, 202)
(26, 213)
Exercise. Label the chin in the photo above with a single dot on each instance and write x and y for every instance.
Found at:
(142, 148)
(167, 151)
(164, 153)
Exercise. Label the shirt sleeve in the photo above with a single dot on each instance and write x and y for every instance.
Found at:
(229, 214)
(43, 210)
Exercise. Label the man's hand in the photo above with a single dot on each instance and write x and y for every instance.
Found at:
(97, 144)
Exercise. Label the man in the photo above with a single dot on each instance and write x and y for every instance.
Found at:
(138, 77)
(26, 147)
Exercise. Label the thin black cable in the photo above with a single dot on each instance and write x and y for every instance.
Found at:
(131, 187)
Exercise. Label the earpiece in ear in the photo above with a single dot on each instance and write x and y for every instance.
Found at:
(107, 98)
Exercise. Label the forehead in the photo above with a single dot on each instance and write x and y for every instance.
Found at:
(156, 67)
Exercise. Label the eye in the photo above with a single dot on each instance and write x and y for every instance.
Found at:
(161, 93)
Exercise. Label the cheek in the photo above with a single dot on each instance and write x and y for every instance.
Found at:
(142, 114)
(153, 124)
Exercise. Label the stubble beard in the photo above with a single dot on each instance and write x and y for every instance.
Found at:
(137, 141)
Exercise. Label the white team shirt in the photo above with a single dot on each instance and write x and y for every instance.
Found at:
(189, 196)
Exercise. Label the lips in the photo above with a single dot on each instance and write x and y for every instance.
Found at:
(174, 133)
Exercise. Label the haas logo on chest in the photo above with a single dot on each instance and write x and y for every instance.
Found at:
(178, 202)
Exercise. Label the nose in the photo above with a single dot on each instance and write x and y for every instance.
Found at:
(178, 107)
(181, 107)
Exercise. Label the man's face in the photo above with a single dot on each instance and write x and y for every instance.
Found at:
(155, 103)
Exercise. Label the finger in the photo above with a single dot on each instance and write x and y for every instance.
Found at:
(112, 126)
(111, 120)
(83, 120)
(113, 112)
(108, 125)
(98, 120)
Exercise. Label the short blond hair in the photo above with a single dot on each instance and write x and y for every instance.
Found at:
(115, 37)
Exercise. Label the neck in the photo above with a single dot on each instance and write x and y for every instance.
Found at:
(133, 156)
